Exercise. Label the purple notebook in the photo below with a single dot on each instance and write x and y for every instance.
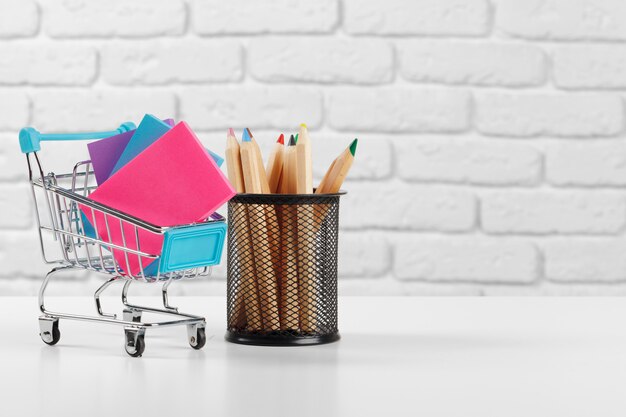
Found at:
(105, 153)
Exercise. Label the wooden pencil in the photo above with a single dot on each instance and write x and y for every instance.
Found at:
(275, 165)
(305, 165)
(336, 174)
(265, 187)
(333, 179)
(250, 284)
(271, 212)
(264, 259)
(233, 162)
(308, 287)
(237, 318)
(324, 180)
(251, 179)
(289, 319)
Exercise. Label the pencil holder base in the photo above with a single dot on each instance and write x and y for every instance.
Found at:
(282, 340)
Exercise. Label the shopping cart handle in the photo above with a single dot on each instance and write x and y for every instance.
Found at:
(31, 138)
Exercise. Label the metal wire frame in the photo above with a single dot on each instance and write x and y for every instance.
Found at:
(60, 218)
(95, 253)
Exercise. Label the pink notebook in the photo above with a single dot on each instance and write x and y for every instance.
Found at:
(172, 182)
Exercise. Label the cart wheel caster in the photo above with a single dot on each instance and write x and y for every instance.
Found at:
(49, 330)
(197, 336)
(135, 343)
(132, 315)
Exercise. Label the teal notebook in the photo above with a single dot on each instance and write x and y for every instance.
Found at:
(148, 131)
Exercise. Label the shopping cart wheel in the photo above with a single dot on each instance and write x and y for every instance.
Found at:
(197, 336)
(135, 343)
(49, 330)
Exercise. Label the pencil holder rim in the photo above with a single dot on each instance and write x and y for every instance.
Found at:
(290, 196)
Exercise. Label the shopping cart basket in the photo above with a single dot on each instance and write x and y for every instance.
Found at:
(66, 218)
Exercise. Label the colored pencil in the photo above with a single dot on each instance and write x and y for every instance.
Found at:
(233, 162)
(305, 166)
(235, 176)
(249, 165)
(275, 165)
(289, 262)
(307, 290)
(251, 292)
(265, 188)
(259, 229)
(336, 174)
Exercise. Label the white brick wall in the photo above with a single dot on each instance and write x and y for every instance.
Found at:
(492, 150)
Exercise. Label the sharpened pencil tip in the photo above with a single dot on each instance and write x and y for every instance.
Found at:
(303, 125)
(245, 136)
(296, 138)
(353, 146)
(281, 139)
(292, 141)
(231, 132)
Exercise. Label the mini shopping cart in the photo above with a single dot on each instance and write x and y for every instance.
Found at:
(189, 251)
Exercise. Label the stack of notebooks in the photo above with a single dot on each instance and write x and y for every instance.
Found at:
(159, 173)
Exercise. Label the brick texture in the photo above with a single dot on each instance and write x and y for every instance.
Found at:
(590, 67)
(461, 259)
(398, 110)
(327, 60)
(563, 212)
(18, 18)
(427, 17)
(171, 61)
(271, 16)
(449, 159)
(562, 19)
(477, 63)
(47, 63)
(549, 114)
(139, 18)
(492, 147)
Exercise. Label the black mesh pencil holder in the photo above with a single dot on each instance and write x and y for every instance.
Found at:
(282, 269)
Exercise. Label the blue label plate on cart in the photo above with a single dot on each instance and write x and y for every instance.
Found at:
(193, 247)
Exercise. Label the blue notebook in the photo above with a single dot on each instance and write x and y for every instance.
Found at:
(148, 131)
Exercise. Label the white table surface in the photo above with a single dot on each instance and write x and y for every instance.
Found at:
(398, 356)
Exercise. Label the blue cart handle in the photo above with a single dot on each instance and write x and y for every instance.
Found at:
(30, 138)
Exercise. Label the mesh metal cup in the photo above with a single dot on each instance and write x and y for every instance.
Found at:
(282, 269)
